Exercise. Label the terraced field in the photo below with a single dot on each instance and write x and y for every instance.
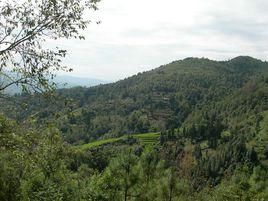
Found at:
(146, 139)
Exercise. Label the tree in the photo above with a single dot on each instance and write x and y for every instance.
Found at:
(170, 188)
(33, 165)
(25, 26)
(124, 176)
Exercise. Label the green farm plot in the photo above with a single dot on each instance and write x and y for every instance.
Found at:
(146, 138)
(98, 143)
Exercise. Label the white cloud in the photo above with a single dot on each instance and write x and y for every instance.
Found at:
(142, 34)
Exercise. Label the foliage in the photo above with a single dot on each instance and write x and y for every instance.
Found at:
(209, 141)
(180, 94)
(25, 26)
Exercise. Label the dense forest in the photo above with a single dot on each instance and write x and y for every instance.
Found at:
(210, 120)
(165, 98)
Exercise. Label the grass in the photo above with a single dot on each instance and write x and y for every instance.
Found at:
(146, 139)
(98, 143)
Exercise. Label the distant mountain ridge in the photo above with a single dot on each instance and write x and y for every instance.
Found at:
(65, 81)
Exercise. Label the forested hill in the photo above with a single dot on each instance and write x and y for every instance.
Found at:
(191, 130)
(171, 96)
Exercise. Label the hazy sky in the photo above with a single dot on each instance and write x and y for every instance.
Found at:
(138, 35)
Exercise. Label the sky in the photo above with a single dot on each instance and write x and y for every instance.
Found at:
(139, 35)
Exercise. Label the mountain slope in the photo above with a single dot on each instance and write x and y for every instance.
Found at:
(163, 98)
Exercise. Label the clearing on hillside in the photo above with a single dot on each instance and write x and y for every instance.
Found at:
(146, 138)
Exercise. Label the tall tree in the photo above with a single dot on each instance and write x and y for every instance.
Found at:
(25, 26)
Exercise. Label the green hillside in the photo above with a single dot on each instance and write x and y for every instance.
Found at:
(202, 135)
(153, 101)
